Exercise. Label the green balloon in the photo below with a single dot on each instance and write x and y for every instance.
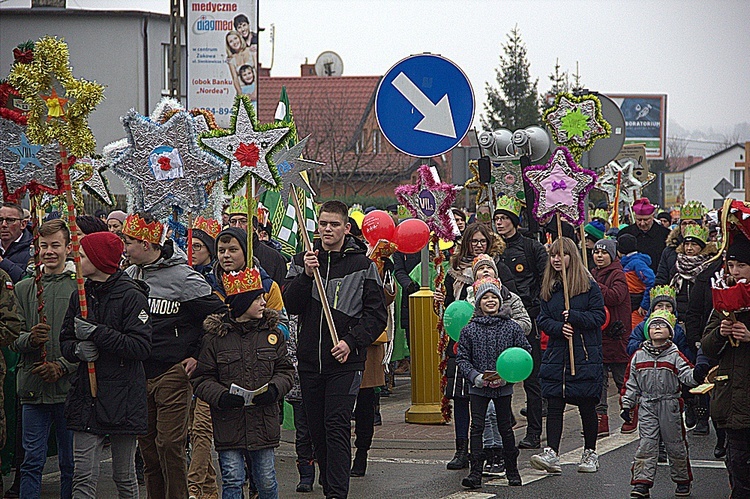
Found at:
(514, 365)
(456, 316)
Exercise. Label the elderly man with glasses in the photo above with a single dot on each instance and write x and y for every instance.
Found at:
(15, 241)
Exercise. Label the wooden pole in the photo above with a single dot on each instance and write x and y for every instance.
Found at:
(566, 294)
(316, 272)
(250, 197)
(37, 222)
(76, 255)
(583, 246)
(190, 239)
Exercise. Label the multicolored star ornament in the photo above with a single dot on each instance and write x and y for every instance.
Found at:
(560, 186)
(247, 146)
(52, 116)
(290, 167)
(630, 186)
(163, 166)
(25, 166)
(430, 200)
(576, 122)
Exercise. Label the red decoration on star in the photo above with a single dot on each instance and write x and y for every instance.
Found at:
(247, 154)
(55, 105)
(165, 164)
(23, 56)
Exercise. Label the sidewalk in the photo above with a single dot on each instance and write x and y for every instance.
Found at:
(395, 433)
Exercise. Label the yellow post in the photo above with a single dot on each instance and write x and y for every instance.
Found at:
(425, 375)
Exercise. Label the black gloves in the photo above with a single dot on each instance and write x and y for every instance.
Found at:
(699, 373)
(229, 401)
(625, 415)
(270, 396)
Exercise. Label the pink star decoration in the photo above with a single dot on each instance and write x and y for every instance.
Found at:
(560, 186)
(430, 200)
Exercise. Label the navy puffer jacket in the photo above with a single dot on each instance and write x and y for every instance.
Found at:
(587, 318)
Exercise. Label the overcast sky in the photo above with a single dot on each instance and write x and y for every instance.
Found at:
(697, 52)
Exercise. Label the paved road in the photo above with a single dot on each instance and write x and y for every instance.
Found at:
(409, 461)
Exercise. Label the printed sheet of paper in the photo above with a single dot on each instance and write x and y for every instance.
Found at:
(248, 395)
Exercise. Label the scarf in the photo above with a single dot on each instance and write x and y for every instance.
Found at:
(654, 350)
(688, 268)
(463, 277)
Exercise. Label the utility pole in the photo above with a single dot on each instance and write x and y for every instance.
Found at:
(175, 48)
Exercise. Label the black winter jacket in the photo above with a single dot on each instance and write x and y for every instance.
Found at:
(120, 308)
(403, 264)
(234, 353)
(587, 318)
(526, 259)
(271, 260)
(16, 258)
(355, 295)
(700, 304)
(179, 301)
(651, 242)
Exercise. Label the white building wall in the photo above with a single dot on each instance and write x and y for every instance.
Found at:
(701, 179)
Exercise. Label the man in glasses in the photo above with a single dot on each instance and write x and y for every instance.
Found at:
(15, 241)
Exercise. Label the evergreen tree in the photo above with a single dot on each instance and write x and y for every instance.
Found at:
(514, 103)
(560, 83)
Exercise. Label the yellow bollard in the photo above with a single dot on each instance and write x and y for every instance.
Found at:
(425, 375)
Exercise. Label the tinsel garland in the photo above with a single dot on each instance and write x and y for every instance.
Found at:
(36, 80)
(576, 122)
(445, 403)
(6, 90)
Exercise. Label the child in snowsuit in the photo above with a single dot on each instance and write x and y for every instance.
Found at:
(654, 378)
(489, 333)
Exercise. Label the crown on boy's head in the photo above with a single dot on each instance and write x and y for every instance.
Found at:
(137, 228)
(243, 281)
(208, 225)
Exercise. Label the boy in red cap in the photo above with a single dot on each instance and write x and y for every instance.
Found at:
(116, 337)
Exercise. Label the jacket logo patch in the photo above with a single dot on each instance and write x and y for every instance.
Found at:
(272, 339)
(143, 316)
(519, 267)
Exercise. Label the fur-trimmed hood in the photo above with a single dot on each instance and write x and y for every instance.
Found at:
(674, 238)
(219, 324)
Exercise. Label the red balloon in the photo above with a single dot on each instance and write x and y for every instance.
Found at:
(606, 319)
(412, 235)
(378, 225)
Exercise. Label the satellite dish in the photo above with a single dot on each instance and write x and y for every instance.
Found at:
(329, 64)
(605, 150)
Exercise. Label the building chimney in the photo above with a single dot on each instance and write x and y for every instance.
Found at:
(58, 4)
(307, 70)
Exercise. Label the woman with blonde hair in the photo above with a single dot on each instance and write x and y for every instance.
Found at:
(582, 321)
(238, 54)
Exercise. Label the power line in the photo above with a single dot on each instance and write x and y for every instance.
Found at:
(702, 141)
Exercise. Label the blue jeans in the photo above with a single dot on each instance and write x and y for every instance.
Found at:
(491, 437)
(232, 464)
(37, 421)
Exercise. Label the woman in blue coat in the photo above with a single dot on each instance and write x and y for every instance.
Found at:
(582, 322)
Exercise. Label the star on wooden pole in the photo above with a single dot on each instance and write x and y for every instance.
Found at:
(430, 200)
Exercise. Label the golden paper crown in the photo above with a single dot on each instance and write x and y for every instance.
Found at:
(663, 290)
(662, 314)
(238, 204)
(243, 281)
(600, 214)
(695, 232)
(137, 228)
(692, 210)
(208, 225)
(510, 204)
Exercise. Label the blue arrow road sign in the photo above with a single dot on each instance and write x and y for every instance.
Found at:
(424, 105)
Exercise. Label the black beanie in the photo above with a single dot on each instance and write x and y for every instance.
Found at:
(239, 303)
(236, 233)
(739, 250)
(514, 219)
(627, 243)
(207, 241)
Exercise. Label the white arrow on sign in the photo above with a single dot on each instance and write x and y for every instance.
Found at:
(438, 118)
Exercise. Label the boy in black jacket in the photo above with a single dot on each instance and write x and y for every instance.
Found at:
(330, 374)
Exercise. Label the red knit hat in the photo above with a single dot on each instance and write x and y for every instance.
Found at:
(104, 250)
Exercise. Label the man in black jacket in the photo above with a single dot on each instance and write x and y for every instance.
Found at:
(651, 237)
(527, 259)
(330, 374)
(179, 300)
(15, 241)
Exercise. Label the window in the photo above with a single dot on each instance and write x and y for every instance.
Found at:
(738, 179)
(375, 141)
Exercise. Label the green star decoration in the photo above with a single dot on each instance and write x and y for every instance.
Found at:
(574, 123)
(247, 139)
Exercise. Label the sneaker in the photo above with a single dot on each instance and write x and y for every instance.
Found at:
(589, 462)
(487, 469)
(628, 428)
(546, 461)
(603, 430)
(691, 417)
(529, 442)
(640, 490)
(682, 490)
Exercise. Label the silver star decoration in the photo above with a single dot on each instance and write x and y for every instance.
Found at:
(19, 176)
(180, 182)
(588, 108)
(95, 184)
(630, 187)
(244, 134)
(290, 167)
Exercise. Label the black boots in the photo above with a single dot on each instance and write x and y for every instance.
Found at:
(511, 467)
(474, 480)
(359, 467)
(306, 476)
(701, 424)
(460, 460)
